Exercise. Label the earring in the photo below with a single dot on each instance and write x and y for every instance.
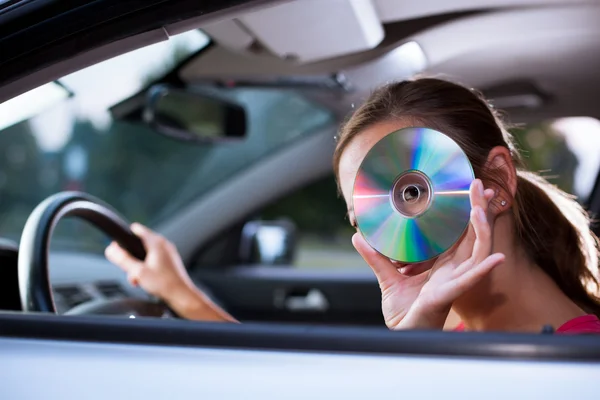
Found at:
(503, 203)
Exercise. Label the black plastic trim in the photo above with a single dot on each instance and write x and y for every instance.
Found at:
(173, 332)
(9, 276)
(51, 31)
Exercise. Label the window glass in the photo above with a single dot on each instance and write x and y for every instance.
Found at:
(324, 231)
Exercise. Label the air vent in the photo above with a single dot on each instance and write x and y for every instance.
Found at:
(111, 290)
(71, 296)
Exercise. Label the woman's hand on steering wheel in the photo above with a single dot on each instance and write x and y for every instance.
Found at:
(423, 300)
(163, 275)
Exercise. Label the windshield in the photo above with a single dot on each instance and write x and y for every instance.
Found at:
(77, 145)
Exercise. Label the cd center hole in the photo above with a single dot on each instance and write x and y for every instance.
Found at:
(411, 194)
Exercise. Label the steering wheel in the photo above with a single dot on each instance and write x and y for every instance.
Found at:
(34, 283)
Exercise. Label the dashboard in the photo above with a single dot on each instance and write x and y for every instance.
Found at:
(77, 278)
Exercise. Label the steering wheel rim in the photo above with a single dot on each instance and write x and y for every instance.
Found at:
(34, 282)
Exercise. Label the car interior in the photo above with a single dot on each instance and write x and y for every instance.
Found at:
(247, 194)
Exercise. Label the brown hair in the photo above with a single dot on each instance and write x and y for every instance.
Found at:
(552, 227)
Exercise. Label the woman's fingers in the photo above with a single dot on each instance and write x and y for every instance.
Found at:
(121, 258)
(469, 278)
(383, 268)
(128, 263)
(477, 194)
(483, 235)
(478, 237)
(415, 269)
(148, 237)
(464, 249)
(481, 224)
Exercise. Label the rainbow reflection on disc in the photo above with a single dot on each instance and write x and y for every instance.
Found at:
(411, 195)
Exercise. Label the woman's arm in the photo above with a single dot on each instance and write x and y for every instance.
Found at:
(163, 275)
(192, 303)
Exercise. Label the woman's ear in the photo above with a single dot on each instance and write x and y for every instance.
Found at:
(499, 165)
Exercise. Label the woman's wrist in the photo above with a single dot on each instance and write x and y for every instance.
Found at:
(420, 317)
(190, 303)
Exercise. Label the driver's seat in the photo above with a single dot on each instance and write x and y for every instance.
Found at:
(9, 276)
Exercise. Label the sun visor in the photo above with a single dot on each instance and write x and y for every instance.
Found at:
(298, 31)
(229, 33)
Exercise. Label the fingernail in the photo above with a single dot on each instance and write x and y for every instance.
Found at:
(354, 240)
(481, 190)
(110, 250)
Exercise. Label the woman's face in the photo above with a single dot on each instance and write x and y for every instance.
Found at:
(350, 161)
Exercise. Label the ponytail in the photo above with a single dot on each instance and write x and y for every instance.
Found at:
(555, 231)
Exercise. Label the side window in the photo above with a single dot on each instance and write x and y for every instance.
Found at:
(323, 230)
(560, 150)
(563, 151)
(323, 233)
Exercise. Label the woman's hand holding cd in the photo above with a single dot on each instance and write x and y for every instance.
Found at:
(421, 295)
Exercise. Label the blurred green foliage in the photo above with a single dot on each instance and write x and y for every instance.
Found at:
(545, 151)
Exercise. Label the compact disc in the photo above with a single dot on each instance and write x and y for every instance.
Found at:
(411, 195)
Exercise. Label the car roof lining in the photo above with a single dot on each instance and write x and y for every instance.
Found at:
(523, 38)
(464, 64)
(221, 61)
(280, 28)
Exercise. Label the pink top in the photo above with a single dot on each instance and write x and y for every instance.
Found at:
(584, 324)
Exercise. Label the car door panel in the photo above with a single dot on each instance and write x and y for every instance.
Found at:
(294, 295)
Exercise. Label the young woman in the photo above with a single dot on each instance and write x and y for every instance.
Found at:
(528, 260)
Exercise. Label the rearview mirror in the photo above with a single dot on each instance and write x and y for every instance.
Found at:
(193, 116)
(268, 243)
